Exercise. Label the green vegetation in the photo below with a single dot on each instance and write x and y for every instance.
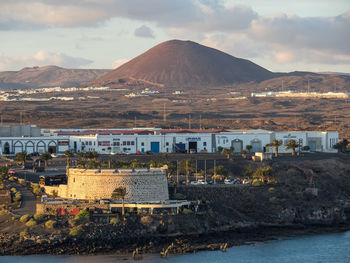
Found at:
(187, 211)
(227, 152)
(21, 157)
(45, 156)
(50, 224)
(76, 231)
(220, 149)
(23, 234)
(36, 189)
(275, 144)
(249, 148)
(39, 217)
(31, 223)
(120, 193)
(179, 196)
(82, 217)
(114, 221)
(25, 218)
(291, 145)
(17, 197)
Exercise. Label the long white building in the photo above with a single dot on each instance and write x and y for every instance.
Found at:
(155, 140)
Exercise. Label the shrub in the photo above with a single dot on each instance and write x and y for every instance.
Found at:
(187, 211)
(31, 222)
(37, 190)
(25, 218)
(50, 223)
(257, 183)
(272, 189)
(273, 199)
(17, 197)
(3, 212)
(114, 221)
(13, 190)
(22, 181)
(39, 217)
(179, 196)
(11, 179)
(82, 217)
(23, 234)
(76, 231)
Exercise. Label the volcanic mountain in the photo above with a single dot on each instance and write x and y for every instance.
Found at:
(48, 76)
(177, 63)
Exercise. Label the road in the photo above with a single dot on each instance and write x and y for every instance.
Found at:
(28, 202)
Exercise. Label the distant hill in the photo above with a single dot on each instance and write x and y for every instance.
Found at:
(178, 63)
(48, 76)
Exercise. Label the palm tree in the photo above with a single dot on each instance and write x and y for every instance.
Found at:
(120, 193)
(249, 148)
(291, 145)
(275, 143)
(45, 156)
(21, 157)
(68, 154)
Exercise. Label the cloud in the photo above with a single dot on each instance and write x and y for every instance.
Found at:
(234, 28)
(144, 31)
(117, 63)
(41, 58)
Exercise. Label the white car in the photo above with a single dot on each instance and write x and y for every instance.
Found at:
(228, 181)
(201, 181)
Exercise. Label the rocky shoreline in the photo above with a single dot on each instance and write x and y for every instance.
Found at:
(127, 243)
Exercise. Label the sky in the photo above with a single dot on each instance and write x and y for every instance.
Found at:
(282, 36)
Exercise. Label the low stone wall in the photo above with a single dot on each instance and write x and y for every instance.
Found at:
(50, 208)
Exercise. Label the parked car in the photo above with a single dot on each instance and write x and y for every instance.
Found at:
(138, 153)
(201, 181)
(228, 181)
(194, 183)
(12, 172)
(245, 181)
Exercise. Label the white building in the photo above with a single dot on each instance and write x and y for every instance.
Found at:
(155, 140)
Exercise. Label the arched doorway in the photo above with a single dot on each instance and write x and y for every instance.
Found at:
(41, 147)
(18, 147)
(237, 145)
(30, 147)
(256, 145)
(52, 147)
(6, 148)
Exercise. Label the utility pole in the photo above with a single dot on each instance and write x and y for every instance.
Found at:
(164, 114)
(200, 122)
(214, 167)
(205, 170)
(177, 171)
(20, 118)
(189, 121)
(308, 86)
(282, 85)
(135, 122)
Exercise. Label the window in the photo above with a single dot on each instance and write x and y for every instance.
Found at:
(90, 143)
(167, 144)
(142, 144)
(124, 143)
(132, 143)
(204, 143)
(127, 143)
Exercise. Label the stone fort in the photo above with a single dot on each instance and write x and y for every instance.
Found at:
(94, 184)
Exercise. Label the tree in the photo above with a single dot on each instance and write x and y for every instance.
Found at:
(227, 152)
(220, 149)
(291, 145)
(21, 157)
(45, 156)
(54, 194)
(249, 148)
(244, 153)
(186, 166)
(120, 193)
(275, 143)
